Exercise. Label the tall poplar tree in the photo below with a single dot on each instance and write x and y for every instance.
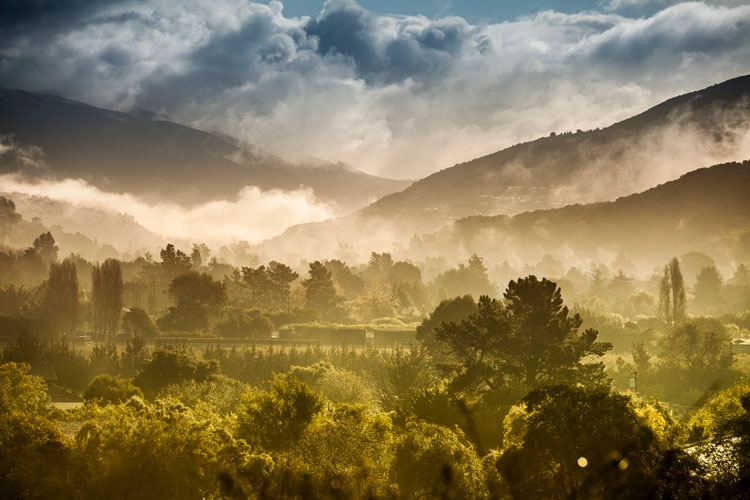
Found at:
(62, 295)
(672, 295)
(106, 295)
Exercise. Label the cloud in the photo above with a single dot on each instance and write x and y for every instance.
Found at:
(253, 216)
(400, 96)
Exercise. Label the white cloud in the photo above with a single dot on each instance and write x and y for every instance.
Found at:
(253, 216)
(397, 95)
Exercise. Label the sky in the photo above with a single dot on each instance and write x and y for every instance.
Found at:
(398, 89)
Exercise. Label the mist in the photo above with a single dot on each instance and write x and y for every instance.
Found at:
(253, 216)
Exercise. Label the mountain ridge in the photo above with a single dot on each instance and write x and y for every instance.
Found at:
(684, 133)
(160, 159)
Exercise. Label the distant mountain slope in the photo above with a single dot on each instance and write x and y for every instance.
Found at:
(140, 154)
(105, 227)
(705, 210)
(676, 136)
(685, 133)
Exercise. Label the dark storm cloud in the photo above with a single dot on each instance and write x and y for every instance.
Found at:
(19, 15)
(390, 50)
(399, 95)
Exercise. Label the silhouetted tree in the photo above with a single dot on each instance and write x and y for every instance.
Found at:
(456, 309)
(580, 442)
(707, 289)
(62, 295)
(471, 279)
(106, 296)
(44, 246)
(698, 348)
(672, 294)
(281, 278)
(320, 294)
(137, 322)
(531, 339)
(198, 296)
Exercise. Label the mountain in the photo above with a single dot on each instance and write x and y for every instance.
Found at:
(705, 210)
(103, 226)
(143, 154)
(677, 136)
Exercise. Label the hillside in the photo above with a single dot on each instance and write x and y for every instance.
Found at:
(674, 137)
(682, 134)
(705, 210)
(142, 154)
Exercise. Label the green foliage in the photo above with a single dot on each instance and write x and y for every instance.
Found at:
(106, 296)
(579, 442)
(715, 417)
(456, 310)
(36, 460)
(107, 389)
(672, 295)
(158, 451)
(468, 279)
(62, 295)
(171, 366)
(697, 348)
(238, 323)
(708, 289)
(320, 293)
(351, 449)
(436, 462)
(337, 385)
(221, 394)
(21, 392)
(276, 418)
(137, 322)
(531, 340)
(197, 297)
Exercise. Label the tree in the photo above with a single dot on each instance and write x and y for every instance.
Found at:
(435, 462)
(106, 295)
(21, 392)
(457, 310)
(320, 294)
(696, 348)
(198, 297)
(281, 278)
(741, 276)
(707, 289)
(349, 284)
(136, 322)
(174, 262)
(405, 272)
(259, 285)
(276, 418)
(171, 366)
(579, 442)
(471, 279)
(8, 215)
(44, 246)
(672, 295)
(107, 389)
(621, 286)
(531, 339)
(379, 267)
(599, 274)
(62, 295)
